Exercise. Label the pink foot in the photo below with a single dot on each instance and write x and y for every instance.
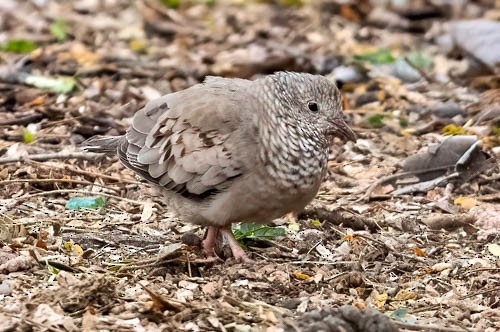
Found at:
(209, 243)
(238, 253)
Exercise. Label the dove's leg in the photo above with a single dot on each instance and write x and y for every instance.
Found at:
(209, 243)
(238, 253)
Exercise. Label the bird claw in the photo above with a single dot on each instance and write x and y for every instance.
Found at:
(238, 253)
(241, 256)
(209, 243)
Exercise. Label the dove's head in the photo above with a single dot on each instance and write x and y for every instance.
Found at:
(310, 103)
(298, 117)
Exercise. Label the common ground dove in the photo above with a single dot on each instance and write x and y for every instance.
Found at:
(232, 150)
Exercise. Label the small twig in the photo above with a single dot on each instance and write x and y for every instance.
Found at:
(422, 327)
(313, 247)
(450, 222)
(366, 197)
(23, 120)
(426, 308)
(71, 191)
(148, 263)
(489, 197)
(420, 70)
(190, 274)
(389, 248)
(56, 155)
(366, 238)
(5, 182)
(275, 244)
(371, 188)
(162, 302)
(425, 185)
(492, 178)
(336, 217)
(483, 269)
(484, 291)
(61, 266)
(92, 174)
(321, 262)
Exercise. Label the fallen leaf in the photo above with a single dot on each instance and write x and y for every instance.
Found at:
(147, 211)
(465, 202)
(438, 267)
(59, 29)
(210, 288)
(77, 249)
(377, 299)
(316, 223)
(419, 252)
(18, 46)
(380, 56)
(405, 295)
(63, 84)
(76, 203)
(301, 276)
(494, 249)
(451, 130)
(28, 137)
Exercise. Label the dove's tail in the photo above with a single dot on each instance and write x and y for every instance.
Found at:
(102, 144)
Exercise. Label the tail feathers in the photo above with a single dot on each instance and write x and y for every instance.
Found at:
(102, 144)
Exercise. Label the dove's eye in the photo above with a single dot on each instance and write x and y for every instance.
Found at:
(313, 106)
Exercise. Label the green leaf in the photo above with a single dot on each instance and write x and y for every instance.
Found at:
(419, 60)
(53, 270)
(380, 56)
(171, 3)
(138, 45)
(291, 3)
(28, 136)
(495, 130)
(76, 203)
(59, 29)
(316, 223)
(452, 130)
(255, 231)
(376, 120)
(403, 122)
(63, 84)
(114, 268)
(18, 46)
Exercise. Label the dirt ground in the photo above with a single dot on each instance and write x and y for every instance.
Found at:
(414, 242)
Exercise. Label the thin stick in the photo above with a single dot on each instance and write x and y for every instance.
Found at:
(483, 269)
(389, 248)
(71, 191)
(321, 262)
(484, 291)
(371, 188)
(56, 155)
(79, 171)
(6, 182)
(422, 327)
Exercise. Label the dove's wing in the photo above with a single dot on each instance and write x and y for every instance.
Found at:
(184, 141)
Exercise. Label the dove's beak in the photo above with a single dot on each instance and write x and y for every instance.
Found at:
(342, 130)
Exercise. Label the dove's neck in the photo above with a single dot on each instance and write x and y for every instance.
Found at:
(292, 158)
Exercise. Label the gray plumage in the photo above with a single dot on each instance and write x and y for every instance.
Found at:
(231, 150)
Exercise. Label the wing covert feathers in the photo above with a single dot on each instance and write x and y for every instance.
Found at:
(182, 141)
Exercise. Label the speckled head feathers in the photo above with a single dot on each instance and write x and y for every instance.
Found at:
(299, 116)
(311, 102)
